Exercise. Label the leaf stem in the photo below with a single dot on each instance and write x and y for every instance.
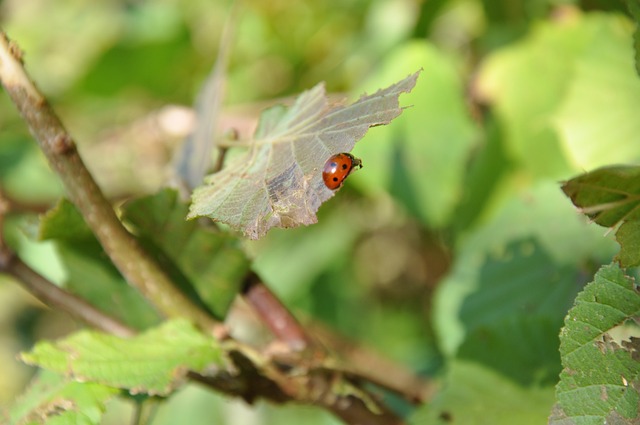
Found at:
(59, 148)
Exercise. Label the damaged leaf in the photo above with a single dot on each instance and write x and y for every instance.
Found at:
(278, 181)
(154, 362)
(610, 196)
(600, 382)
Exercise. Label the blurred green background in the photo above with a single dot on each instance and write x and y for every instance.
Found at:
(453, 251)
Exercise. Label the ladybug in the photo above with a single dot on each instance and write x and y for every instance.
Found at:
(337, 168)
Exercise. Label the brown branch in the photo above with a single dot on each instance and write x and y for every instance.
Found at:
(364, 364)
(58, 146)
(58, 298)
(357, 362)
(275, 315)
(268, 382)
(316, 386)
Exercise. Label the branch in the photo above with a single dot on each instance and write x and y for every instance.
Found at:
(267, 382)
(365, 364)
(122, 248)
(275, 315)
(58, 298)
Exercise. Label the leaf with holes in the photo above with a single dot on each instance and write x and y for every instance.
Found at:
(600, 382)
(53, 399)
(278, 181)
(610, 196)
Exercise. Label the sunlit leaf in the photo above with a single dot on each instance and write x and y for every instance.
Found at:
(634, 9)
(554, 127)
(598, 118)
(600, 382)
(524, 109)
(53, 399)
(278, 182)
(610, 196)
(154, 362)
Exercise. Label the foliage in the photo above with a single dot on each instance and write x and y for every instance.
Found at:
(600, 379)
(453, 252)
(278, 182)
(152, 363)
(57, 400)
(609, 196)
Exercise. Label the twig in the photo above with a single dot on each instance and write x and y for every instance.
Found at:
(365, 364)
(58, 298)
(269, 382)
(50, 294)
(58, 146)
(275, 315)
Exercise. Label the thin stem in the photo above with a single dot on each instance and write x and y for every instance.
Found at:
(58, 146)
(59, 299)
(364, 364)
(144, 411)
(136, 417)
(275, 315)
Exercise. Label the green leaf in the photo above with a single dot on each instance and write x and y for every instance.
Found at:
(598, 119)
(90, 273)
(421, 159)
(53, 399)
(552, 127)
(64, 222)
(212, 262)
(155, 362)
(520, 280)
(634, 9)
(523, 263)
(524, 109)
(600, 382)
(512, 317)
(610, 196)
(475, 395)
(523, 348)
(489, 169)
(628, 236)
(278, 182)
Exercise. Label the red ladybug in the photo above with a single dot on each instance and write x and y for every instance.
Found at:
(337, 168)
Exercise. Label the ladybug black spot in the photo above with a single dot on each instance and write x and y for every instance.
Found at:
(446, 416)
(335, 179)
(345, 166)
